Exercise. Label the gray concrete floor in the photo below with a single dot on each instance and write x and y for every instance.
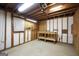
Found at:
(42, 48)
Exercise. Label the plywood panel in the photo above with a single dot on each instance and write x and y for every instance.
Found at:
(29, 35)
(21, 38)
(2, 29)
(26, 37)
(76, 30)
(48, 25)
(8, 30)
(33, 35)
(43, 26)
(29, 25)
(16, 39)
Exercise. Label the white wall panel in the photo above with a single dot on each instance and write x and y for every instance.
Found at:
(70, 36)
(2, 29)
(51, 25)
(16, 39)
(55, 24)
(21, 38)
(64, 35)
(64, 38)
(18, 24)
(64, 22)
(59, 29)
(8, 30)
(62, 25)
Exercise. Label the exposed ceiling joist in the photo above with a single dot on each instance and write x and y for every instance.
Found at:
(35, 12)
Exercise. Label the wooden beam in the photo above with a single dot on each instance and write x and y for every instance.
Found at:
(70, 11)
(12, 29)
(38, 11)
(5, 28)
(66, 6)
(33, 12)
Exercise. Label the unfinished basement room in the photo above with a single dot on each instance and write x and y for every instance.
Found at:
(39, 29)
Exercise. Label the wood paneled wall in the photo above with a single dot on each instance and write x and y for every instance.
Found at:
(61, 25)
(42, 26)
(33, 28)
(76, 30)
(7, 30)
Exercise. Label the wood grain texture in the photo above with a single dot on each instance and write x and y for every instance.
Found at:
(76, 30)
(42, 26)
(33, 27)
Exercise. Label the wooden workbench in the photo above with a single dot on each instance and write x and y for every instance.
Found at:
(52, 36)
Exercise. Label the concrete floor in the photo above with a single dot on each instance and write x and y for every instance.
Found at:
(42, 48)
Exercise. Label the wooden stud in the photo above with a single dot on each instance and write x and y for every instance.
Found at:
(12, 29)
(57, 28)
(19, 17)
(67, 28)
(19, 38)
(24, 30)
(5, 29)
(53, 24)
(62, 29)
(18, 31)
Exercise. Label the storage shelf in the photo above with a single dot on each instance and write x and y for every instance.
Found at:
(52, 36)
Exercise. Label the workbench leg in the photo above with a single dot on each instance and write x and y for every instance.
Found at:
(44, 40)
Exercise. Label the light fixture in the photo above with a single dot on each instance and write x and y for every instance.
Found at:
(24, 6)
(32, 20)
(56, 8)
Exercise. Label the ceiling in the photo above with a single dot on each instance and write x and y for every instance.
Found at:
(34, 12)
